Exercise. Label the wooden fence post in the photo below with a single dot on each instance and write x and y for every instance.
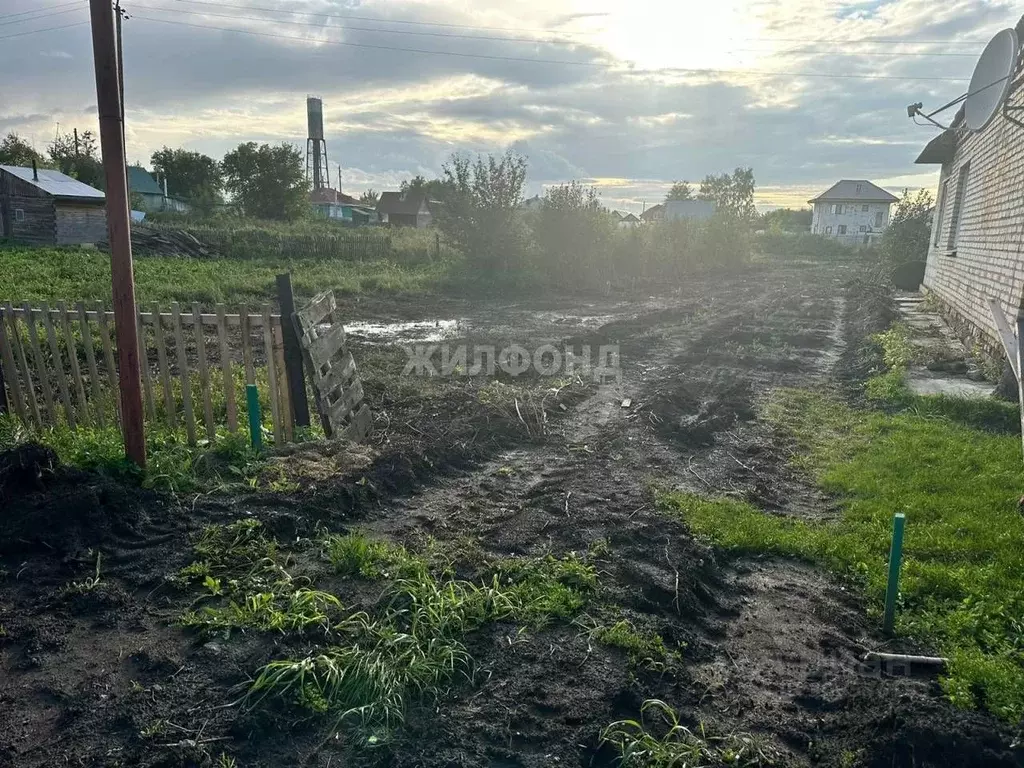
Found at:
(292, 352)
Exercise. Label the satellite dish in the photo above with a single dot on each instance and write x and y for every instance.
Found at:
(991, 80)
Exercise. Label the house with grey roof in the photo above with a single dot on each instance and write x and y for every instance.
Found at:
(404, 209)
(147, 194)
(39, 206)
(853, 211)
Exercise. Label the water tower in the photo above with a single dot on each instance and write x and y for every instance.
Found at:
(316, 147)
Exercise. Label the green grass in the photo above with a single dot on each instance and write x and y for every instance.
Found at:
(70, 275)
(357, 555)
(639, 746)
(958, 481)
(644, 648)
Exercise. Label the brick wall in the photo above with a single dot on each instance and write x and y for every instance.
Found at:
(988, 256)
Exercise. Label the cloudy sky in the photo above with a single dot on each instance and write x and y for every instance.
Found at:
(627, 95)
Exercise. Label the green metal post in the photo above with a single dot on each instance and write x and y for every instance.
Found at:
(895, 556)
(252, 397)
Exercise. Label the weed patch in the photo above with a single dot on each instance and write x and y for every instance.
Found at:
(963, 571)
(680, 747)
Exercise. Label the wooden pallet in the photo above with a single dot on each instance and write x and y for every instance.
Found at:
(336, 387)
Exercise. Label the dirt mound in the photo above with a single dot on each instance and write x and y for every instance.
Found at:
(693, 417)
(869, 310)
(57, 508)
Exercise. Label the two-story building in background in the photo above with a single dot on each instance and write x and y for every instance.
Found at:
(854, 212)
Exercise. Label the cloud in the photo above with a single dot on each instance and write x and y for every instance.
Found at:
(607, 93)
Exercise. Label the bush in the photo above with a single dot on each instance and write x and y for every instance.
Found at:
(777, 243)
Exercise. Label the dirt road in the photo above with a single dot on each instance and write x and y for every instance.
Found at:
(767, 648)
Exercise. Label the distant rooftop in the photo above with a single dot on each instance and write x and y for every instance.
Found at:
(856, 190)
(54, 183)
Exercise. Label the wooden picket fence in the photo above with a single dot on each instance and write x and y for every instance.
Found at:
(59, 366)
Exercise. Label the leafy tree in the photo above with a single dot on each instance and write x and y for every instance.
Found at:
(434, 189)
(573, 229)
(733, 194)
(14, 150)
(909, 230)
(190, 175)
(267, 182)
(787, 220)
(481, 201)
(681, 190)
(369, 197)
(77, 155)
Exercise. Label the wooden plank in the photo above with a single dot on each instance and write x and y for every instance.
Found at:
(58, 365)
(186, 381)
(268, 350)
(314, 313)
(145, 371)
(76, 372)
(359, 426)
(29, 391)
(10, 375)
(41, 370)
(209, 318)
(347, 402)
(283, 383)
(90, 361)
(108, 358)
(295, 396)
(225, 369)
(204, 373)
(1005, 333)
(322, 349)
(339, 374)
(250, 374)
(165, 368)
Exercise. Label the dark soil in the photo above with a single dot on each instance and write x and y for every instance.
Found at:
(102, 677)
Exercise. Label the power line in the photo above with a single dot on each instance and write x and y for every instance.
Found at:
(592, 64)
(4, 20)
(532, 40)
(39, 10)
(357, 17)
(45, 29)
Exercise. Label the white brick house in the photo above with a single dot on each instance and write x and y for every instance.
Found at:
(852, 211)
(977, 244)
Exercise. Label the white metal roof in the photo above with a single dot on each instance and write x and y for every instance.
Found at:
(855, 190)
(54, 182)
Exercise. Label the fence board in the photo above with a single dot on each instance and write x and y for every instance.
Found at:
(186, 381)
(146, 371)
(250, 375)
(90, 362)
(209, 318)
(282, 384)
(108, 360)
(11, 377)
(225, 367)
(204, 373)
(165, 370)
(26, 372)
(268, 349)
(72, 349)
(58, 365)
(40, 361)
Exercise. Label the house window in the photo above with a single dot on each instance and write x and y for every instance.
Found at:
(863, 228)
(859, 188)
(828, 230)
(879, 218)
(841, 229)
(832, 209)
(19, 214)
(958, 205)
(864, 209)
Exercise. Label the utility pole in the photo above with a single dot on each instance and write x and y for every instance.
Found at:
(108, 99)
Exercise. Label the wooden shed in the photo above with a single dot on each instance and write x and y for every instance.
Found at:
(45, 207)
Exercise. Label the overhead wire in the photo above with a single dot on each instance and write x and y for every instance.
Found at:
(564, 62)
(531, 40)
(5, 20)
(45, 29)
